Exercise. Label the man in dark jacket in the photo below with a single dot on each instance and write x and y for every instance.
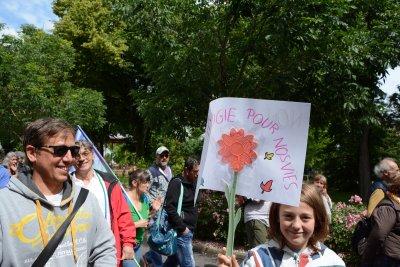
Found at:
(386, 170)
(185, 223)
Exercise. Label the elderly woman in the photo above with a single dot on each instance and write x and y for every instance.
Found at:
(11, 162)
(383, 243)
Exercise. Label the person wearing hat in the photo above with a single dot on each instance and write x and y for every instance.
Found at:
(160, 175)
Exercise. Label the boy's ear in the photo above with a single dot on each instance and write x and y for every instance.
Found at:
(31, 153)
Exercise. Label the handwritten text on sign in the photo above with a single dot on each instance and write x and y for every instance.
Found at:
(280, 129)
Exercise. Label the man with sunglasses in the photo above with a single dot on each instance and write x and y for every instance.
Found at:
(160, 175)
(36, 203)
(111, 200)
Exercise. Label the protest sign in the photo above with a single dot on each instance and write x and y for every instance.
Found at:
(279, 130)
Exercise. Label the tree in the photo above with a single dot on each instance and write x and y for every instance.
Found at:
(177, 56)
(329, 53)
(104, 63)
(34, 80)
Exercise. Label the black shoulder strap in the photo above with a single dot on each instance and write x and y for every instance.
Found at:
(48, 251)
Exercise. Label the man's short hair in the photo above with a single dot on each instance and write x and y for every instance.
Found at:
(85, 144)
(36, 132)
(191, 162)
(383, 165)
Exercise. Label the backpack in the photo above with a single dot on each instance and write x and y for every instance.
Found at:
(163, 238)
(362, 230)
(376, 185)
(360, 235)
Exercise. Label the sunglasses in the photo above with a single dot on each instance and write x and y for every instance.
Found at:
(60, 151)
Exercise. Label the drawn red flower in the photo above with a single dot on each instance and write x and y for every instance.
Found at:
(237, 149)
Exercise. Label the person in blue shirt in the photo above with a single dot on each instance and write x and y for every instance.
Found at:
(4, 177)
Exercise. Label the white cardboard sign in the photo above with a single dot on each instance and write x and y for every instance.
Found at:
(280, 129)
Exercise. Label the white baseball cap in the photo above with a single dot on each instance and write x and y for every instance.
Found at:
(161, 149)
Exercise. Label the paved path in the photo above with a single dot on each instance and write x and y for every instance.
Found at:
(205, 255)
(202, 259)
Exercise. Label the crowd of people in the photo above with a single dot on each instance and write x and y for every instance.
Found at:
(110, 225)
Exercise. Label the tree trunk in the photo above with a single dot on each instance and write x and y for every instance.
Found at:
(364, 164)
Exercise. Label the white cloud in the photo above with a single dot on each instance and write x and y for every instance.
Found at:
(9, 31)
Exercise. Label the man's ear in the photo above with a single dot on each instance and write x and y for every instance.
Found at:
(31, 153)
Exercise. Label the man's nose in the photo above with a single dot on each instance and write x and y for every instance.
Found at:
(68, 156)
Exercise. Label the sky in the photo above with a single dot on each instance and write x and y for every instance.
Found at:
(39, 13)
(16, 12)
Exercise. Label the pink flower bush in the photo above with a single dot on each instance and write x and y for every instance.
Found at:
(355, 199)
(340, 205)
(344, 218)
(352, 219)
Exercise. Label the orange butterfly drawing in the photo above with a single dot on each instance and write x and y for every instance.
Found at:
(266, 187)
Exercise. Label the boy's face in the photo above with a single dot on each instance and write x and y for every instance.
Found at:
(50, 169)
(297, 225)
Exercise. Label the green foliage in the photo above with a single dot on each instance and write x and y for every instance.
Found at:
(317, 143)
(159, 64)
(105, 63)
(179, 150)
(121, 155)
(213, 206)
(34, 79)
(92, 26)
(344, 218)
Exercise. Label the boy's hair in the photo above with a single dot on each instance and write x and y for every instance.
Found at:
(311, 197)
(138, 175)
(36, 132)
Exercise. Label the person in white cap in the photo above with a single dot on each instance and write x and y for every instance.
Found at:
(160, 175)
